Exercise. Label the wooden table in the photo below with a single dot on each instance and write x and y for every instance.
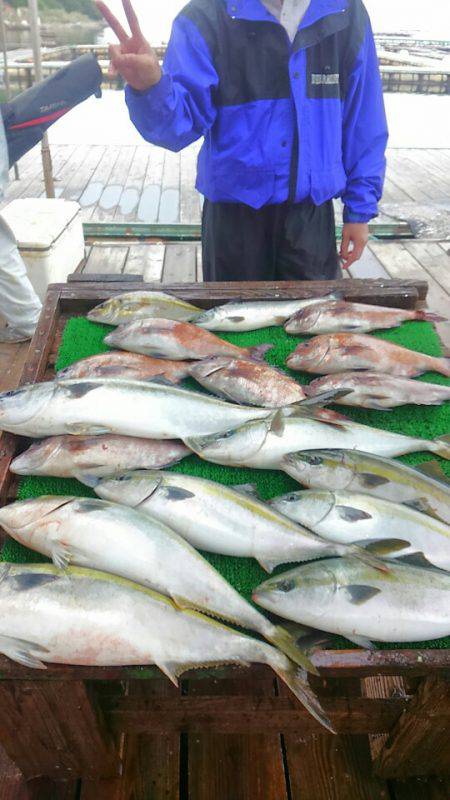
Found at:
(96, 723)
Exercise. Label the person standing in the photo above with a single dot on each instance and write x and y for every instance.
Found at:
(19, 304)
(288, 97)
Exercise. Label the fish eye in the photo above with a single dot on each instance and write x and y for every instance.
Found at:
(285, 586)
(227, 435)
(291, 498)
(124, 478)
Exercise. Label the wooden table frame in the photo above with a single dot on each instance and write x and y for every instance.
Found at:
(69, 722)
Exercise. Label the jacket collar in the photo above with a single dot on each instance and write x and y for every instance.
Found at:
(254, 10)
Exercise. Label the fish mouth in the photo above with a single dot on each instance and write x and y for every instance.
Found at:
(34, 458)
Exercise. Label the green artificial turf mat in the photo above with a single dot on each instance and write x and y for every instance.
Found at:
(82, 338)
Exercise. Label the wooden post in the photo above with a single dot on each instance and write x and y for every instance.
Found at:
(36, 45)
(54, 729)
(5, 67)
(419, 742)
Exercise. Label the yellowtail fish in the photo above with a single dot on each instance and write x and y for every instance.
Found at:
(129, 543)
(152, 410)
(221, 519)
(354, 517)
(139, 305)
(251, 315)
(89, 618)
(258, 445)
(408, 604)
(427, 488)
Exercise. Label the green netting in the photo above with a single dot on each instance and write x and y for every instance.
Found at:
(82, 338)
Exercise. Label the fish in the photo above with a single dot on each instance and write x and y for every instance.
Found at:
(148, 409)
(244, 381)
(252, 315)
(103, 456)
(408, 604)
(131, 306)
(335, 316)
(86, 617)
(356, 471)
(134, 366)
(342, 352)
(164, 338)
(221, 519)
(259, 446)
(379, 391)
(114, 538)
(354, 518)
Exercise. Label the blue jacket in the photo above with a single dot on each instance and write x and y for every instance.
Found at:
(280, 121)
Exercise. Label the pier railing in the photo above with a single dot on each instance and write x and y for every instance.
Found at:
(398, 77)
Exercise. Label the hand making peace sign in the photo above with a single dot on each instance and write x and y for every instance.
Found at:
(133, 58)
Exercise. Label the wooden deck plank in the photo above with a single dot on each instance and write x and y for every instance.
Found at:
(403, 172)
(12, 360)
(421, 789)
(112, 192)
(427, 181)
(169, 207)
(76, 185)
(189, 197)
(399, 262)
(180, 263)
(129, 200)
(106, 259)
(93, 191)
(148, 207)
(146, 260)
(434, 259)
(31, 182)
(332, 768)
(368, 266)
(235, 767)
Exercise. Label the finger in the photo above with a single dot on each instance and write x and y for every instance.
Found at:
(132, 18)
(355, 255)
(112, 21)
(344, 252)
(127, 61)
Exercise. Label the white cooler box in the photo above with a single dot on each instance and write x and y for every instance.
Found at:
(50, 238)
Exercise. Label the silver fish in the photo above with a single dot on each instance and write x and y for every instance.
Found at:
(103, 456)
(89, 618)
(220, 519)
(338, 316)
(151, 410)
(427, 489)
(169, 339)
(341, 352)
(250, 382)
(375, 390)
(251, 315)
(139, 305)
(408, 604)
(351, 517)
(134, 545)
(257, 445)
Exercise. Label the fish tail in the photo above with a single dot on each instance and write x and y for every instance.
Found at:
(288, 644)
(297, 680)
(441, 446)
(430, 316)
(257, 353)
